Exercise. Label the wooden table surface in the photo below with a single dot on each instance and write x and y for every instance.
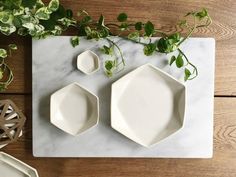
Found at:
(162, 13)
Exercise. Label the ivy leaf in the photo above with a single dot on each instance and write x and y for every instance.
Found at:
(7, 29)
(28, 3)
(17, 2)
(85, 20)
(53, 21)
(42, 13)
(107, 50)
(82, 12)
(12, 46)
(187, 74)
(134, 36)
(88, 30)
(182, 23)
(124, 26)
(22, 31)
(74, 41)
(92, 34)
(29, 26)
(6, 17)
(149, 29)
(3, 53)
(101, 20)
(110, 66)
(56, 31)
(179, 61)
(149, 49)
(53, 5)
(17, 22)
(1, 73)
(138, 26)
(202, 14)
(172, 60)
(67, 22)
(122, 17)
(167, 45)
(162, 45)
(175, 37)
(69, 13)
(39, 4)
(104, 32)
(19, 11)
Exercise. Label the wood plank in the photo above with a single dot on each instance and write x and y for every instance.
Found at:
(162, 13)
(20, 62)
(222, 164)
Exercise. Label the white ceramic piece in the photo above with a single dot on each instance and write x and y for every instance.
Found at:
(12, 167)
(88, 62)
(147, 105)
(74, 109)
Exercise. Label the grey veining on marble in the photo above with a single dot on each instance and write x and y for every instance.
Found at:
(54, 66)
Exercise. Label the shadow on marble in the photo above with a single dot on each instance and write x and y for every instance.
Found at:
(44, 107)
(104, 94)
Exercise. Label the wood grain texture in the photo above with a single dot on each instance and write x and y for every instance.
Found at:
(162, 13)
(20, 62)
(222, 163)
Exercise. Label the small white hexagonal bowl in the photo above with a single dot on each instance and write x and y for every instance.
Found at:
(74, 109)
(147, 105)
(88, 62)
(12, 167)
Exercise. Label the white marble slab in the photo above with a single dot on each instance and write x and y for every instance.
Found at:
(54, 66)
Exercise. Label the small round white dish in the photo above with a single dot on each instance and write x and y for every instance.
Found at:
(74, 109)
(12, 167)
(147, 105)
(88, 62)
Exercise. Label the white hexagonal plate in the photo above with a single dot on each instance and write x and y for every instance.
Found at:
(88, 62)
(147, 105)
(12, 167)
(74, 109)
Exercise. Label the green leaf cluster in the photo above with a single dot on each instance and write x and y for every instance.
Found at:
(150, 48)
(110, 66)
(74, 41)
(108, 50)
(178, 60)
(39, 20)
(169, 43)
(34, 18)
(6, 75)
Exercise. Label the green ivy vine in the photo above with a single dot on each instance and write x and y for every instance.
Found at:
(40, 20)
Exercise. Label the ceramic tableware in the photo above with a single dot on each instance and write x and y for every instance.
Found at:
(147, 105)
(88, 62)
(74, 109)
(12, 167)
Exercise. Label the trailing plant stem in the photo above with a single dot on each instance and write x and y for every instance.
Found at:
(195, 70)
(121, 54)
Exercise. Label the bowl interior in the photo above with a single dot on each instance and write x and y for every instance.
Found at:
(88, 62)
(74, 109)
(148, 105)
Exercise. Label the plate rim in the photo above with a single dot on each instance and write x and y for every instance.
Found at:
(16, 166)
(158, 70)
